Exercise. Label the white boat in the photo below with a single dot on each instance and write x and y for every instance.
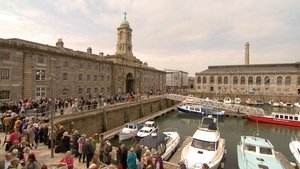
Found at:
(259, 102)
(258, 153)
(206, 146)
(190, 99)
(237, 100)
(148, 128)
(285, 104)
(227, 100)
(297, 104)
(295, 150)
(199, 110)
(129, 130)
(164, 142)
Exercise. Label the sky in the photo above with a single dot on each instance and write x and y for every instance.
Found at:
(186, 35)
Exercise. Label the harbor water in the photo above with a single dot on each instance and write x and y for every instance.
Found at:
(233, 128)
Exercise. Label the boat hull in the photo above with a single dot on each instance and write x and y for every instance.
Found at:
(295, 148)
(126, 136)
(269, 119)
(213, 114)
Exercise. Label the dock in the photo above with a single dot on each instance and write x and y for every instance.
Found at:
(177, 156)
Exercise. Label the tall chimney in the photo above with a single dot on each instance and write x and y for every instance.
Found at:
(89, 50)
(60, 43)
(247, 53)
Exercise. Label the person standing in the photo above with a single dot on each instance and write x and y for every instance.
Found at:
(101, 148)
(32, 162)
(89, 151)
(65, 142)
(158, 161)
(131, 159)
(6, 162)
(123, 156)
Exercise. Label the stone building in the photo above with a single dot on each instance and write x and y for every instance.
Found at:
(256, 79)
(34, 70)
(176, 79)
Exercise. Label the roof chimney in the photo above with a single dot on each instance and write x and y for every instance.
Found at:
(89, 50)
(101, 54)
(247, 53)
(60, 43)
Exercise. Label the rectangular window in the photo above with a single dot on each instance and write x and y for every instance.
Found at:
(65, 92)
(4, 55)
(88, 90)
(4, 73)
(4, 94)
(40, 92)
(65, 76)
(81, 65)
(41, 59)
(102, 77)
(88, 77)
(80, 77)
(40, 74)
(95, 77)
(80, 90)
(108, 78)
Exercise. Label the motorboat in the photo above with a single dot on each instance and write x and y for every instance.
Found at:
(148, 128)
(258, 153)
(295, 150)
(206, 146)
(227, 100)
(274, 104)
(194, 109)
(190, 99)
(249, 102)
(286, 104)
(237, 101)
(129, 130)
(277, 118)
(165, 142)
(258, 102)
(297, 104)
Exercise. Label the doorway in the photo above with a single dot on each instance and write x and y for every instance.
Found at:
(129, 83)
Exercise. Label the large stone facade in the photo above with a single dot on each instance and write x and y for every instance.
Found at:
(260, 79)
(33, 70)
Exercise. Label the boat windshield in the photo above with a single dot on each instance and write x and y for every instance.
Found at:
(148, 125)
(209, 146)
(129, 126)
(144, 131)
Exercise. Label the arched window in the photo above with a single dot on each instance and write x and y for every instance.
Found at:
(258, 80)
(204, 80)
(298, 81)
(235, 80)
(212, 80)
(267, 80)
(199, 79)
(243, 80)
(225, 80)
(288, 80)
(219, 80)
(250, 80)
(279, 80)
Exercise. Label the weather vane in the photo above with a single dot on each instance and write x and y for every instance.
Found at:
(125, 15)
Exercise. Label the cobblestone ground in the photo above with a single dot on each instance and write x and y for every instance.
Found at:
(43, 155)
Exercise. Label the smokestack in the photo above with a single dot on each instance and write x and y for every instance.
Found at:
(247, 53)
(89, 50)
(59, 43)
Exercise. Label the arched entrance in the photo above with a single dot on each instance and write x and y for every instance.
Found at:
(129, 83)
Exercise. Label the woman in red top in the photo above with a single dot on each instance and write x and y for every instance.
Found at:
(67, 160)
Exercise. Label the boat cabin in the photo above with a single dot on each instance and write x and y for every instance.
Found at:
(156, 141)
(257, 145)
(150, 124)
(286, 116)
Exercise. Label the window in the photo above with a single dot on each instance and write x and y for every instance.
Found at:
(40, 92)
(102, 77)
(88, 77)
(81, 65)
(199, 80)
(108, 78)
(219, 80)
(95, 90)
(212, 80)
(267, 80)
(65, 92)
(80, 90)
(279, 80)
(40, 74)
(204, 80)
(4, 94)
(235, 80)
(4, 73)
(298, 80)
(66, 63)
(225, 80)
(88, 90)
(288, 80)
(41, 59)
(80, 77)
(65, 76)
(250, 80)
(4, 55)
(243, 80)
(95, 77)
(258, 80)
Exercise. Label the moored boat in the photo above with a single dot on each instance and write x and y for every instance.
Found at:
(200, 110)
(165, 142)
(249, 102)
(277, 118)
(148, 128)
(129, 130)
(237, 100)
(259, 102)
(206, 146)
(297, 104)
(227, 100)
(295, 150)
(258, 153)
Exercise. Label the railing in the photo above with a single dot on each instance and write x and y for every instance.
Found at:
(232, 107)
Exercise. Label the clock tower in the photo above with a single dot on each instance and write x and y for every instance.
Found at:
(124, 43)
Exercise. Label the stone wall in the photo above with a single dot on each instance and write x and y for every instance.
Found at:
(100, 120)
